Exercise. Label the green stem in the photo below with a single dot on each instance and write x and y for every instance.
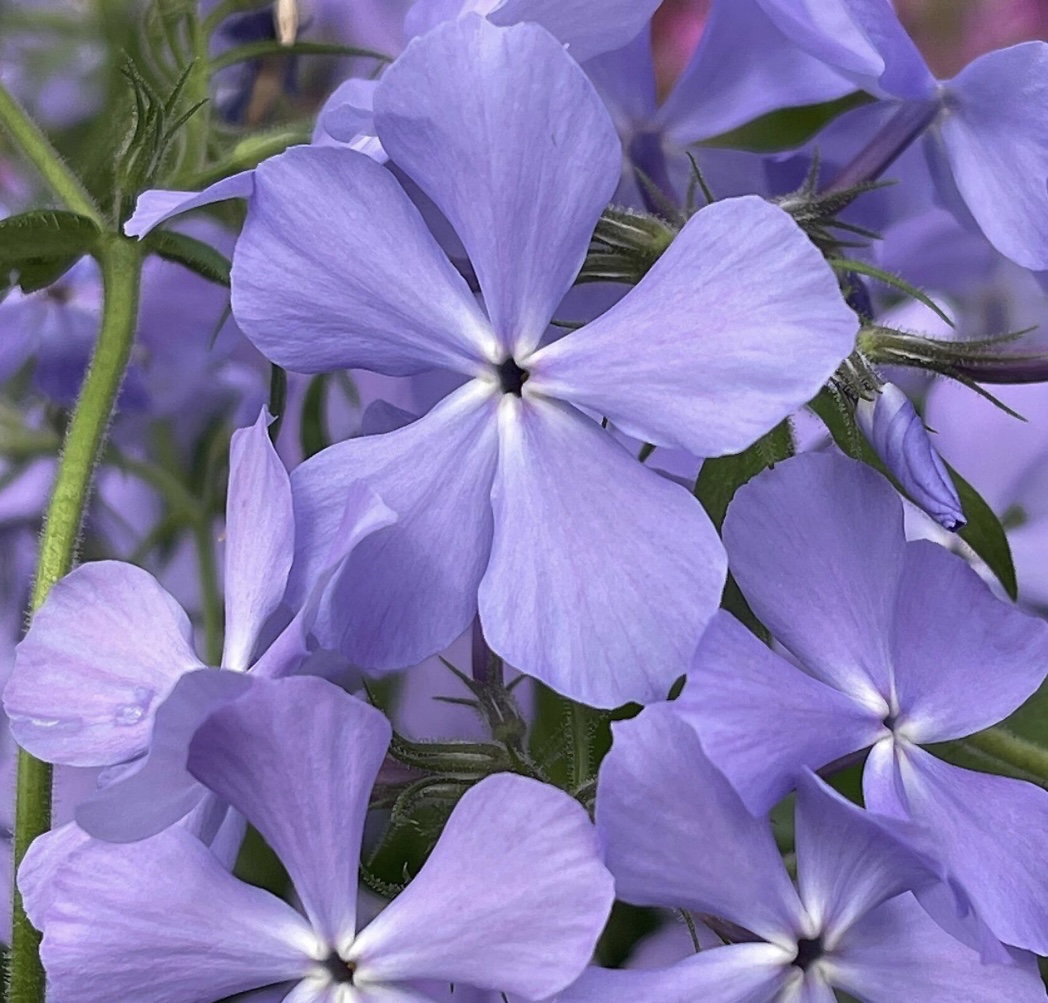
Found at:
(198, 91)
(45, 158)
(121, 262)
(210, 596)
(1012, 750)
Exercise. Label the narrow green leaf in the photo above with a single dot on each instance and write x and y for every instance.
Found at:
(983, 531)
(33, 275)
(257, 50)
(893, 281)
(191, 253)
(313, 432)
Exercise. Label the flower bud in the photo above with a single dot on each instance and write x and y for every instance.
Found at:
(898, 436)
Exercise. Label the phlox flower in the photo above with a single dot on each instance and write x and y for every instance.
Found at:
(677, 835)
(511, 498)
(898, 645)
(107, 674)
(512, 897)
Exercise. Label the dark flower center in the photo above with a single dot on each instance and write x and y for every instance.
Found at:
(890, 721)
(808, 952)
(340, 971)
(511, 377)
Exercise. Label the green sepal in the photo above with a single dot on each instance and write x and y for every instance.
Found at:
(38, 247)
(982, 532)
(191, 253)
(258, 50)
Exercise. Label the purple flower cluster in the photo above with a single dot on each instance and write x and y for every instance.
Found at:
(751, 665)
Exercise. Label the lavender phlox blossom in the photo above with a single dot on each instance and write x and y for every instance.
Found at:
(107, 675)
(508, 488)
(898, 645)
(898, 436)
(986, 135)
(512, 897)
(677, 835)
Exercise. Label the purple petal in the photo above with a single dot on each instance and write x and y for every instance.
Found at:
(304, 788)
(335, 269)
(410, 590)
(347, 118)
(692, 357)
(761, 719)
(102, 652)
(799, 539)
(963, 658)
(898, 436)
(153, 207)
(898, 953)
(522, 172)
(849, 861)
(585, 27)
(738, 973)
(364, 513)
(46, 856)
(163, 790)
(163, 913)
(995, 136)
(655, 792)
(744, 67)
(260, 539)
(513, 897)
(588, 544)
(991, 836)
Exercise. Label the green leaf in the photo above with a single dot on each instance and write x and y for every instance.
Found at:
(45, 234)
(192, 253)
(256, 50)
(983, 531)
(31, 276)
(313, 432)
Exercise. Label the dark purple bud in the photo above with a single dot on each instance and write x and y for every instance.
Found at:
(898, 436)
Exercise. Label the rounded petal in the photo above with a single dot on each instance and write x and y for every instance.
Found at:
(512, 898)
(737, 973)
(761, 719)
(164, 914)
(101, 654)
(522, 172)
(695, 355)
(656, 793)
(46, 856)
(580, 525)
(260, 539)
(816, 545)
(995, 135)
(157, 205)
(335, 269)
(963, 659)
(990, 831)
(305, 789)
(898, 953)
(407, 591)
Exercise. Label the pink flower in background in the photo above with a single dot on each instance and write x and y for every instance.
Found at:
(675, 31)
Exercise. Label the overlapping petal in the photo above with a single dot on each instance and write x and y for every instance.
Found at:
(103, 652)
(335, 269)
(603, 574)
(738, 973)
(761, 719)
(163, 913)
(677, 835)
(512, 898)
(963, 659)
(990, 831)
(411, 589)
(817, 546)
(162, 790)
(260, 539)
(995, 136)
(521, 171)
(298, 758)
(695, 355)
(157, 205)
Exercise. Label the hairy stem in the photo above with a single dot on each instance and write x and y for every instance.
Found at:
(121, 262)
